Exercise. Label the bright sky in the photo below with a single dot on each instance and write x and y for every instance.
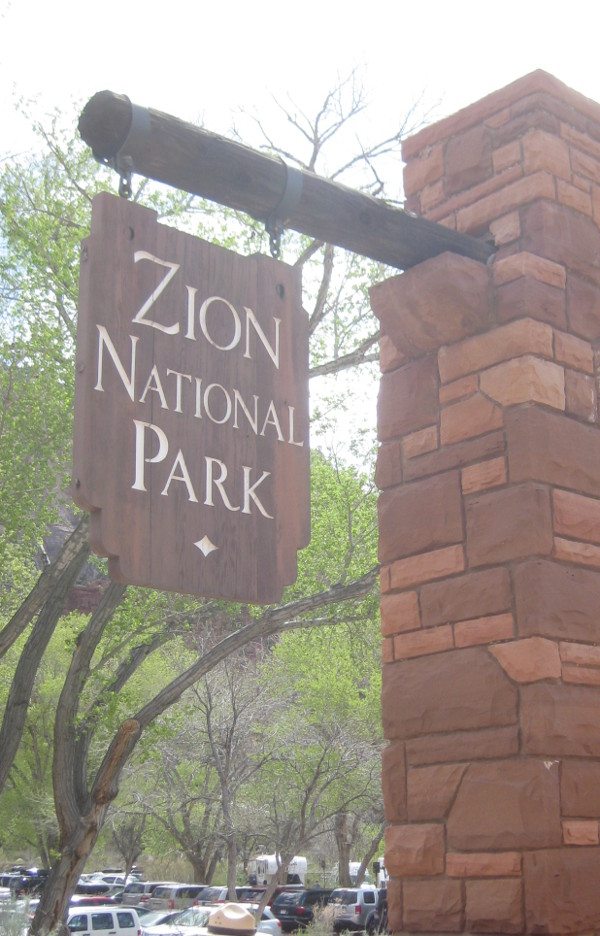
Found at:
(205, 59)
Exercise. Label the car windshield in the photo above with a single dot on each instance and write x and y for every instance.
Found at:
(344, 897)
(193, 916)
(286, 900)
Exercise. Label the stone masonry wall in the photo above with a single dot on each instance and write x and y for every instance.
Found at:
(489, 471)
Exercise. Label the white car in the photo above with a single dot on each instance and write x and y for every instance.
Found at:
(190, 922)
(104, 921)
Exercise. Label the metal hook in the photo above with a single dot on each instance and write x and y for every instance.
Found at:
(275, 223)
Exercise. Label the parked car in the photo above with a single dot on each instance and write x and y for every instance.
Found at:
(190, 922)
(29, 881)
(351, 907)
(104, 921)
(93, 888)
(176, 896)
(268, 922)
(295, 910)
(140, 892)
(152, 918)
(91, 900)
(213, 895)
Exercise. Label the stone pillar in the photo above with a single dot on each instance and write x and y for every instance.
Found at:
(489, 471)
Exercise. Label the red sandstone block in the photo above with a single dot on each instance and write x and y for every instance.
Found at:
(527, 297)
(596, 203)
(560, 720)
(434, 906)
(525, 379)
(414, 850)
(505, 156)
(552, 448)
(546, 151)
(529, 660)
(496, 809)
(494, 906)
(466, 597)
(583, 305)
(581, 396)
(409, 305)
(580, 675)
(459, 389)
(408, 399)
(574, 352)
(388, 470)
(439, 563)
(568, 237)
(453, 692)
(389, 356)
(576, 516)
(498, 119)
(557, 601)
(528, 264)
(417, 443)
(509, 523)
(562, 890)
(423, 642)
(468, 159)
(469, 418)
(582, 140)
(387, 650)
(584, 554)
(506, 229)
(455, 456)
(431, 790)
(484, 630)
(395, 906)
(585, 165)
(456, 203)
(574, 197)
(580, 832)
(489, 743)
(483, 476)
(393, 779)
(585, 185)
(425, 169)
(475, 218)
(483, 864)
(580, 789)
(430, 196)
(526, 336)
(399, 613)
(421, 516)
(578, 653)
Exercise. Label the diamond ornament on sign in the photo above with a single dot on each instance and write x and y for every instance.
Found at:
(206, 546)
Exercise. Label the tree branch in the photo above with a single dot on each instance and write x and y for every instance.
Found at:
(75, 549)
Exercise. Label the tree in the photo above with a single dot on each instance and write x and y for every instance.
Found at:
(95, 731)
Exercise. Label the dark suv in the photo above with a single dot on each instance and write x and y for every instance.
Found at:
(295, 910)
(29, 883)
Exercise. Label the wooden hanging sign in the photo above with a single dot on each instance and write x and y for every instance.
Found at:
(191, 446)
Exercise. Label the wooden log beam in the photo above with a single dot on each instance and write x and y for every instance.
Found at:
(186, 157)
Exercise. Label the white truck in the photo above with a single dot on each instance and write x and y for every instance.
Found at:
(263, 868)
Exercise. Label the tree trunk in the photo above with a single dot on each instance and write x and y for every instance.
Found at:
(20, 691)
(343, 849)
(50, 916)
